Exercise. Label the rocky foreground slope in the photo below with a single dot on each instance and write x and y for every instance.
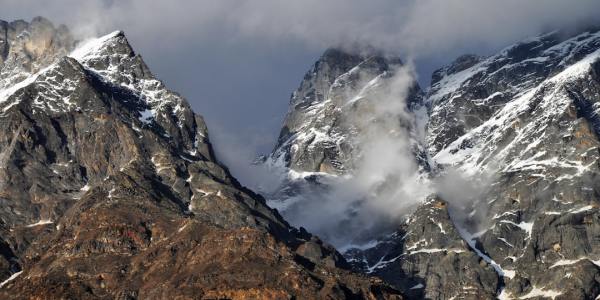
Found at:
(109, 189)
(510, 147)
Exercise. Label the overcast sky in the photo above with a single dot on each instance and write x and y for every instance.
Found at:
(237, 61)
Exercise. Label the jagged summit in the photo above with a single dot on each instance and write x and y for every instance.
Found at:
(493, 81)
(345, 104)
(338, 81)
(109, 189)
(331, 66)
(111, 59)
(345, 59)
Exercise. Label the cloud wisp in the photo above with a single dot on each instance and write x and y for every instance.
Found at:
(410, 26)
(388, 179)
(384, 183)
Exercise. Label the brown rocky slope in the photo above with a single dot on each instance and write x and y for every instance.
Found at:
(109, 189)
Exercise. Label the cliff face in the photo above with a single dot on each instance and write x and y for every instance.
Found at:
(528, 117)
(353, 112)
(514, 136)
(319, 134)
(110, 189)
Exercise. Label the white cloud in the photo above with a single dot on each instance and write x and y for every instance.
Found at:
(410, 26)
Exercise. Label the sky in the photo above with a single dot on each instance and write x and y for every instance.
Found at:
(238, 61)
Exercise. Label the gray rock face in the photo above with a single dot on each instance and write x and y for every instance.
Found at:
(317, 134)
(427, 258)
(468, 92)
(345, 101)
(522, 126)
(25, 48)
(109, 189)
(540, 144)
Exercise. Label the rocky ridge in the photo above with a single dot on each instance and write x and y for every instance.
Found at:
(110, 189)
(541, 146)
(522, 127)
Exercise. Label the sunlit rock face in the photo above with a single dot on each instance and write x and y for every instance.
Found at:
(110, 189)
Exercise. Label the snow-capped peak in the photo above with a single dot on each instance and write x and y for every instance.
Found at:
(92, 48)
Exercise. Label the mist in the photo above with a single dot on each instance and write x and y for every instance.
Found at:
(385, 183)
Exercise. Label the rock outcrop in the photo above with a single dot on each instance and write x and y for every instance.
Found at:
(427, 258)
(349, 105)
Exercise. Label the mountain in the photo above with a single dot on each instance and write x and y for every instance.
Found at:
(109, 188)
(508, 150)
(318, 133)
(535, 131)
(342, 114)
(481, 186)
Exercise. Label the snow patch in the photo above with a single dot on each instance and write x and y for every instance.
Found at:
(183, 227)
(526, 226)
(40, 222)
(441, 228)
(581, 209)
(568, 262)
(11, 278)
(382, 263)
(147, 115)
(435, 250)
(89, 48)
(417, 286)
(540, 292)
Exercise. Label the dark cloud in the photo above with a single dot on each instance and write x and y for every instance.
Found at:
(237, 61)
